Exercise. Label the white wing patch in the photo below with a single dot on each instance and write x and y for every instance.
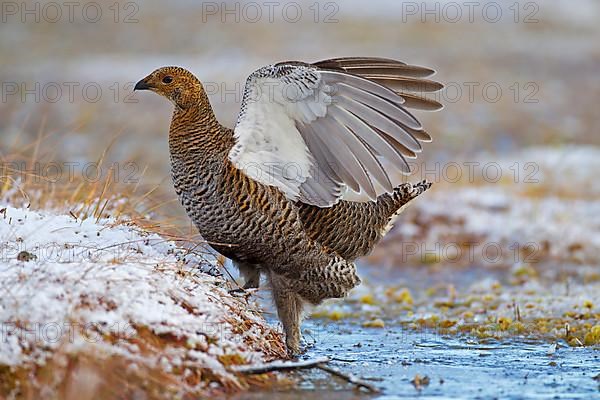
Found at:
(320, 135)
(269, 148)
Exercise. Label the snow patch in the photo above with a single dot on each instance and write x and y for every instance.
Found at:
(78, 284)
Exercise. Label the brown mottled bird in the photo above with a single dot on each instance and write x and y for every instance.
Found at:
(301, 187)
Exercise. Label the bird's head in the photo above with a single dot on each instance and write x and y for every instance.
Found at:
(176, 84)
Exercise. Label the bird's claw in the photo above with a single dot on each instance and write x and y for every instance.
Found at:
(239, 292)
(242, 292)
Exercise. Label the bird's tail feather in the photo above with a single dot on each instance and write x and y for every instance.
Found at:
(401, 196)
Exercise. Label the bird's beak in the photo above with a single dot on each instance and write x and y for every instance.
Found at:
(142, 85)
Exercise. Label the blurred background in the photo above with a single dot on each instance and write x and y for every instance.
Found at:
(505, 243)
(515, 150)
(517, 74)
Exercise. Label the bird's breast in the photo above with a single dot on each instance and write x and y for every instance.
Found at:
(240, 218)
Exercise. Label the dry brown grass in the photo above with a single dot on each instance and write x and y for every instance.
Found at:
(150, 206)
(90, 375)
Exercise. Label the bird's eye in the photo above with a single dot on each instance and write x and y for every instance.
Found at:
(167, 79)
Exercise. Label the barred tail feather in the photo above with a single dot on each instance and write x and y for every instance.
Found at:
(403, 195)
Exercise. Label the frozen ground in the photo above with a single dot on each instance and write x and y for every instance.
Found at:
(106, 291)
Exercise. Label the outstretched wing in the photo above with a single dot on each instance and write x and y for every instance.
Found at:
(318, 131)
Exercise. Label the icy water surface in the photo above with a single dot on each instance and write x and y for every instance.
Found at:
(458, 366)
(390, 358)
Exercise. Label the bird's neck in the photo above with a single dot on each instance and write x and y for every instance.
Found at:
(196, 133)
(199, 148)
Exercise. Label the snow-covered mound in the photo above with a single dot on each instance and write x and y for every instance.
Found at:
(71, 287)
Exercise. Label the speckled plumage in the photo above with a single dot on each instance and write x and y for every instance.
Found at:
(307, 252)
(250, 222)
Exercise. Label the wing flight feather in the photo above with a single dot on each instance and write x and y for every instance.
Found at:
(317, 131)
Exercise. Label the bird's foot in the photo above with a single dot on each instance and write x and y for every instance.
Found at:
(296, 346)
(294, 353)
(252, 283)
(242, 291)
(239, 292)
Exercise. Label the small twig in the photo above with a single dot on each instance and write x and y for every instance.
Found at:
(349, 378)
(279, 366)
(348, 360)
(318, 362)
(516, 310)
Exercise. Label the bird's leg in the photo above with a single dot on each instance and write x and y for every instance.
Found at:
(252, 279)
(250, 273)
(289, 311)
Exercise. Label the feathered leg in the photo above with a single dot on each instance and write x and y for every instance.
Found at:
(289, 310)
(250, 273)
